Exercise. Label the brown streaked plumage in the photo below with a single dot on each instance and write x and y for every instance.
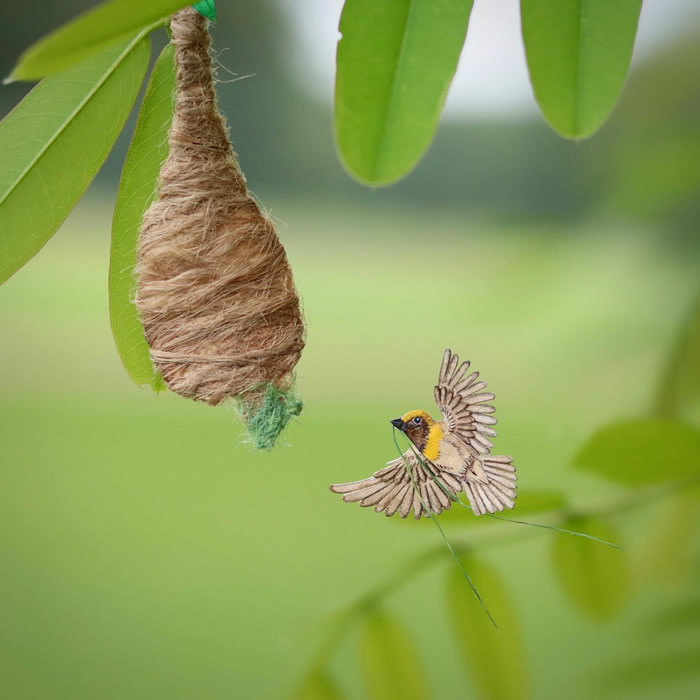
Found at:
(454, 452)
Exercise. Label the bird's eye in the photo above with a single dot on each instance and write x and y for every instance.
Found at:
(417, 420)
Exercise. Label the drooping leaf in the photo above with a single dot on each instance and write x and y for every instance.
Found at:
(395, 62)
(54, 142)
(137, 189)
(495, 657)
(594, 577)
(644, 451)
(318, 686)
(679, 387)
(390, 663)
(578, 54)
(90, 33)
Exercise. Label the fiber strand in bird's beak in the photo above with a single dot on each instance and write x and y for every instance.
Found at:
(444, 537)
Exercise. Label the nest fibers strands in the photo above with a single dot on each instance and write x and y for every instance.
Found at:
(215, 291)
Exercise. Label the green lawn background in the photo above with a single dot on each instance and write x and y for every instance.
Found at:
(147, 552)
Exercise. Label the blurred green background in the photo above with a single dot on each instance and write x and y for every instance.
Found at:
(147, 552)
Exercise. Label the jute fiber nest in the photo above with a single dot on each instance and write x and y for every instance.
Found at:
(215, 291)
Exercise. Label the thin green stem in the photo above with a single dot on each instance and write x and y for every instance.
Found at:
(492, 536)
(342, 621)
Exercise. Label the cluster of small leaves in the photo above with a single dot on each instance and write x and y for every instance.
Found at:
(649, 457)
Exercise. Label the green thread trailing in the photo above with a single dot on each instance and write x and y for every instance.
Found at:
(458, 500)
(268, 419)
(429, 511)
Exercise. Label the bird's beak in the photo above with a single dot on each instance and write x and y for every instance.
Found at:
(398, 423)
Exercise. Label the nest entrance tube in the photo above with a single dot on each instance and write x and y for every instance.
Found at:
(215, 290)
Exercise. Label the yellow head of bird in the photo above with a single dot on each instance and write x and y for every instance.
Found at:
(424, 432)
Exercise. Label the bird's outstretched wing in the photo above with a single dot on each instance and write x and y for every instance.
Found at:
(460, 398)
(391, 489)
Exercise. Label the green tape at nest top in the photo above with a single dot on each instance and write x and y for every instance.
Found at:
(206, 8)
(268, 419)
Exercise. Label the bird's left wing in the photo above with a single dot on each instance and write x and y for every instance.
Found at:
(460, 398)
(391, 489)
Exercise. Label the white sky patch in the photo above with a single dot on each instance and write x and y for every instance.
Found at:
(491, 79)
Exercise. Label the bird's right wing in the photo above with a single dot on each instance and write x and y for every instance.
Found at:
(391, 489)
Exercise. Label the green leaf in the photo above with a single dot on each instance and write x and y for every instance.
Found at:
(390, 663)
(206, 8)
(679, 387)
(658, 670)
(645, 451)
(137, 189)
(495, 657)
(578, 53)
(670, 541)
(318, 686)
(395, 63)
(594, 577)
(90, 33)
(681, 616)
(54, 142)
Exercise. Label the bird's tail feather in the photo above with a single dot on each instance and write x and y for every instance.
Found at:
(497, 491)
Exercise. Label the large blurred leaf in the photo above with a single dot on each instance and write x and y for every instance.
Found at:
(594, 577)
(683, 615)
(137, 189)
(670, 540)
(318, 686)
(680, 385)
(395, 63)
(578, 54)
(390, 663)
(495, 657)
(54, 142)
(90, 33)
(642, 451)
(659, 670)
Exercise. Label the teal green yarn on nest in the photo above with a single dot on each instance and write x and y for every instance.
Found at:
(206, 8)
(267, 420)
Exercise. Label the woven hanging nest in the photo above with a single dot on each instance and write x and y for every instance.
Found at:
(215, 290)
